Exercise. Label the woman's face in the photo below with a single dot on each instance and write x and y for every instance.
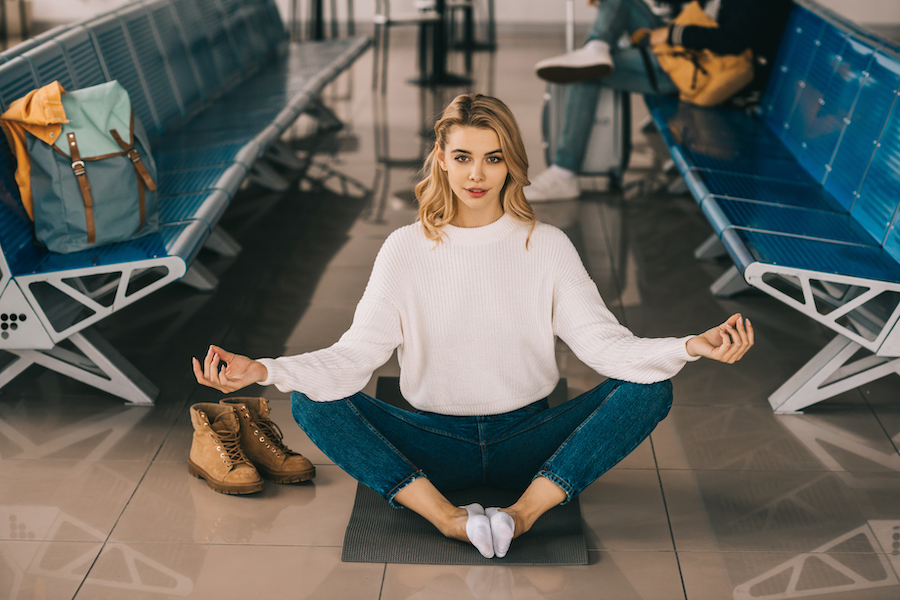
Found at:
(477, 172)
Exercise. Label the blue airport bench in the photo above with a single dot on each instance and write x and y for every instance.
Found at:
(804, 194)
(215, 83)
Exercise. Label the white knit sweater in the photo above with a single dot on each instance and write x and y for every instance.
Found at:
(474, 320)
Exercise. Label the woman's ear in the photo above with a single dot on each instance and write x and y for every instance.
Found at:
(439, 154)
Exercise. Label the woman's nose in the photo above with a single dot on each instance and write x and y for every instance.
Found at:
(476, 174)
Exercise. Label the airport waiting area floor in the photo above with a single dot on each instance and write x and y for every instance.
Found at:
(725, 500)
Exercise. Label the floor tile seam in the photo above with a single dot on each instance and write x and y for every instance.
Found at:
(662, 493)
(83, 460)
(218, 544)
(823, 470)
(147, 461)
(878, 420)
(785, 552)
(105, 542)
(4, 540)
(383, 581)
(612, 549)
(631, 550)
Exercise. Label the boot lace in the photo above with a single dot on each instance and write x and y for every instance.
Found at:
(230, 448)
(272, 432)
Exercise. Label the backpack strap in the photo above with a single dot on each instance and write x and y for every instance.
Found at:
(84, 184)
(140, 170)
(132, 153)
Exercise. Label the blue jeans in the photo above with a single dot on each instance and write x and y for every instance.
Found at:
(614, 18)
(387, 448)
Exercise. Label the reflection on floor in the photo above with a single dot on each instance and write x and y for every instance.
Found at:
(725, 500)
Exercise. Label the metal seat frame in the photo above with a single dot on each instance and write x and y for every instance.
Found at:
(843, 270)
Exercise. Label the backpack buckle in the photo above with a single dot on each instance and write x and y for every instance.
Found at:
(78, 168)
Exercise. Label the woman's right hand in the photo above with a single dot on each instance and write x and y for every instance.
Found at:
(238, 371)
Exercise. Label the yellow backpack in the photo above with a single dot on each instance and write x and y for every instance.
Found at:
(702, 77)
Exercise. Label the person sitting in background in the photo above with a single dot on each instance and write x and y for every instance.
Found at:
(601, 63)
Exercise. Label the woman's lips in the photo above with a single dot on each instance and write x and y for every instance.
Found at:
(476, 192)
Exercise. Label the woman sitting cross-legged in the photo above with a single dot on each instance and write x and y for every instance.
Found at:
(473, 296)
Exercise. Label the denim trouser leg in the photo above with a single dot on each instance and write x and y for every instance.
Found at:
(387, 448)
(354, 443)
(614, 18)
(624, 417)
(617, 17)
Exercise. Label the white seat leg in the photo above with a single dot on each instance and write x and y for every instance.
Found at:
(730, 283)
(99, 365)
(829, 373)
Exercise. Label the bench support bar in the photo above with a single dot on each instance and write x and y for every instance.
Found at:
(829, 373)
(730, 283)
(200, 278)
(220, 242)
(328, 121)
(99, 365)
(262, 173)
(282, 154)
(710, 249)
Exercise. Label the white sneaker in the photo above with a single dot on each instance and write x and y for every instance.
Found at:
(579, 65)
(550, 186)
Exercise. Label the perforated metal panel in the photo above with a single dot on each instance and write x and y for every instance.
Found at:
(190, 23)
(748, 187)
(50, 64)
(172, 159)
(816, 121)
(120, 61)
(222, 48)
(870, 262)
(183, 70)
(798, 47)
(247, 46)
(879, 195)
(207, 206)
(800, 222)
(194, 180)
(166, 104)
(15, 226)
(87, 69)
(876, 99)
(16, 79)
(171, 240)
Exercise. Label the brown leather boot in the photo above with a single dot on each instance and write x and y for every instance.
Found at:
(261, 440)
(216, 454)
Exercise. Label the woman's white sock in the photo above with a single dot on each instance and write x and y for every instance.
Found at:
(503, 528)
(478, 530)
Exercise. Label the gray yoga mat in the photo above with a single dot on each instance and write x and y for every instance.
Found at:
(381, 534)
(378, 533)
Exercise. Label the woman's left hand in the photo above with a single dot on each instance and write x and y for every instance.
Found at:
(726, 343)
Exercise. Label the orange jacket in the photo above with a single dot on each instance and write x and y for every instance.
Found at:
(40, 113)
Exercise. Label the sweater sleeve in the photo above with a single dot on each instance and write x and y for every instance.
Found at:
(582, 320)
(345, 368)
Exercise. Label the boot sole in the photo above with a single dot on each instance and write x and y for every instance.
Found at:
(233, 489)
(276, 477)
(560, 74)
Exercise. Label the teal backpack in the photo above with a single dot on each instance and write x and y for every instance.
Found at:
(96, 184)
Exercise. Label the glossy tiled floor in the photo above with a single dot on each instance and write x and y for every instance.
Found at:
(726, 500)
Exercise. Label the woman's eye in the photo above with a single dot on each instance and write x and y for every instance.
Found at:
(495, 159)
(462, 158)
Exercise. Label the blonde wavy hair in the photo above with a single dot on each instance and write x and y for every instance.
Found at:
(437, 202)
